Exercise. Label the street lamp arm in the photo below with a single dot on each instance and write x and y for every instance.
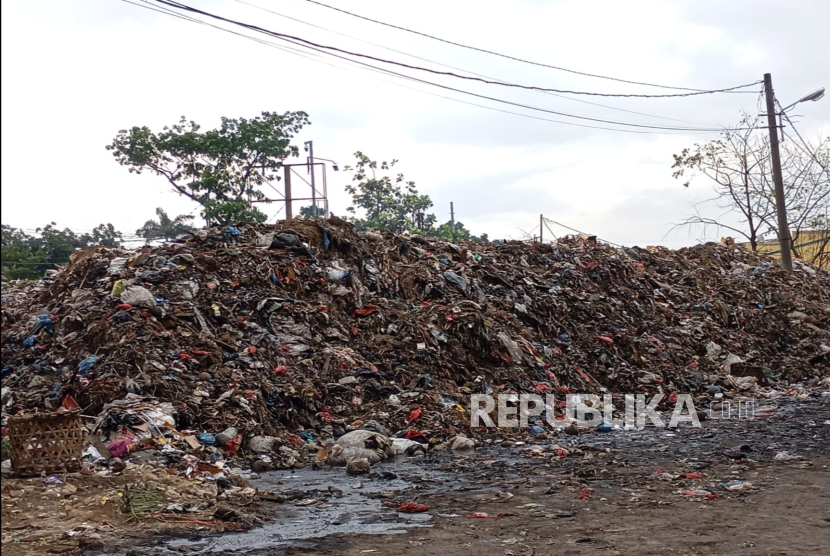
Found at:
(817, 95)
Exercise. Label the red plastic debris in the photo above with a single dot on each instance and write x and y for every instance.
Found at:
(325, 415)
(414, 414)
(69, 403)
(280, 369)
(606, 339)
(584, 492)
(123, 307)
(365, 311)
(693, 475)
(413, 508)
(416, 436)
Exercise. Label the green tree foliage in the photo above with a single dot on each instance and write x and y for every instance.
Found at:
(388, 204)
(309, 212)
(29, 257)
(221, 169)
(103, 234)
(165, 228)
(445, 231)
(394, 205)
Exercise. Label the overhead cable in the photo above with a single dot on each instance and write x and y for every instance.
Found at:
(663, 130)
(456, 67)
(698, 91)
(185, 7)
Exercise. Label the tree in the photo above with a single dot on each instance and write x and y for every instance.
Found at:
(165, 228)
(310, 212)
(29, 257)
(739, 166)
(387, 204)
(220, 169)
(445, 231)
(103, 234)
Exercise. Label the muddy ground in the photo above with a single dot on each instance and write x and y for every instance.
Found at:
(746, 487)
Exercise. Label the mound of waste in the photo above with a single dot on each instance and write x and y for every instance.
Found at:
(305, 329)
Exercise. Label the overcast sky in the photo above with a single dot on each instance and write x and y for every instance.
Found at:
(75, 72)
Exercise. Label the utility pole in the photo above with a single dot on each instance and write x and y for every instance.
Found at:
(452, 221)
(541, 227)
(289, 213)
(784, 238)
(310, 148)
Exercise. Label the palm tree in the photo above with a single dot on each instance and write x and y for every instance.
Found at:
(165, 228)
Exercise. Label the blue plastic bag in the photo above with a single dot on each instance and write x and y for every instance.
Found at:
(206, 439)
(45, 322)
(326, 240)
(86, 365)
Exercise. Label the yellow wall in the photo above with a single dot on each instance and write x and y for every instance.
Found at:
(809, 245)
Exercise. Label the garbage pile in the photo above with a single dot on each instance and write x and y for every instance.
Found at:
(274, 339)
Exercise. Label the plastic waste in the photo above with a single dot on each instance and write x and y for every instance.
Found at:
(285, 241)
(357, 466)
(335, 275)
(412, 508)
(44, 322)
(87, 364)
(138, 296)
(462, 443)
(206, 439)
(117, 289)
(458, 281)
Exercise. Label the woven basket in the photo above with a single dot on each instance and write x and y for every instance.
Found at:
(46, 443)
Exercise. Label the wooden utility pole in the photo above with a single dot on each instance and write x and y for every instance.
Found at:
(784, 239)
(452, 221)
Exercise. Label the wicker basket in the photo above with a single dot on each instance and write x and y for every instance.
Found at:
(46, 443)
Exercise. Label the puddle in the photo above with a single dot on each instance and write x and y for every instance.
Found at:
(352, 510)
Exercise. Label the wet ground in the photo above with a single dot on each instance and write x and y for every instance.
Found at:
(740, 486)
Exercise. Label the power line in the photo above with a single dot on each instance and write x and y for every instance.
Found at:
(436, 72)
(697, 91)
(806, 149)
(520, 105)
(369, 67)
(384, 71)
(390, 72)
(456, 67)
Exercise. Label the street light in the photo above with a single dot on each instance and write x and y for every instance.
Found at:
(333, 163)
(817, 95)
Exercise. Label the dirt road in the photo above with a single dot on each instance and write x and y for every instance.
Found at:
(747, 487)
(637, 505)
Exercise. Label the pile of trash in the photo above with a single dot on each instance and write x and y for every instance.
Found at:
(279, 339)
